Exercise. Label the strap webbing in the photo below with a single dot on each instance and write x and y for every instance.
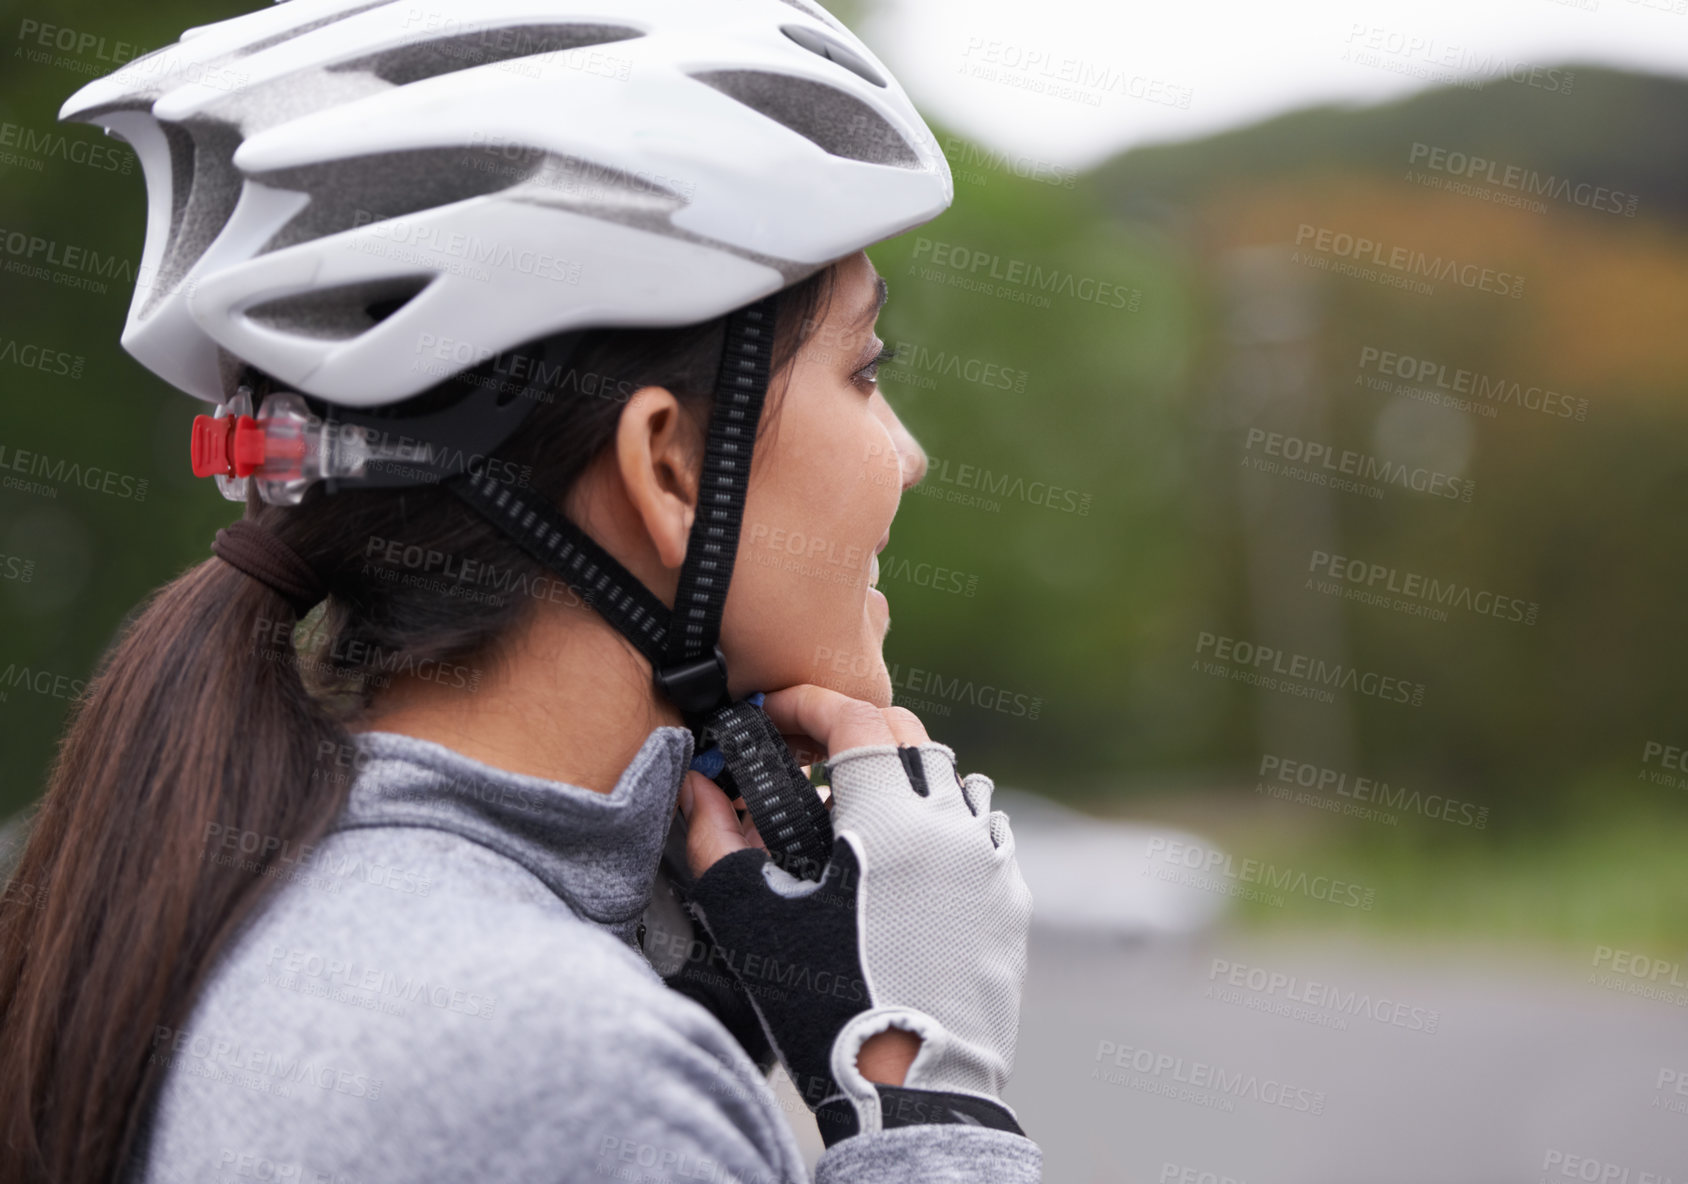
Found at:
(740, 390)
(793, 822)
(596, 576)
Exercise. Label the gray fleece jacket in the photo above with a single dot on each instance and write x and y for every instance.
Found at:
(449, 988)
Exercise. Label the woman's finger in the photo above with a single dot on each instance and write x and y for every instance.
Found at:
(834, 719)
(905, 725)
(712, 826)
(752, 836)
(806, 750)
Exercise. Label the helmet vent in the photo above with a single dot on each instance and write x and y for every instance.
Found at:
(405, 64)
(204, 187)
(816, 11)
(180, 142)
(838, 122)
(819, 43)
(308, 27)
(339, 313)
(349, 193)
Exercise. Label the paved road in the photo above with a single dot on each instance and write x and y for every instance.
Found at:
(1425, 1067)
(1458, 1067)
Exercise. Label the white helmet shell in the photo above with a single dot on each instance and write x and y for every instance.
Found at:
(361, 199)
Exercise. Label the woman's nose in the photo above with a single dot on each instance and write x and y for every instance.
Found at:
(911, 457)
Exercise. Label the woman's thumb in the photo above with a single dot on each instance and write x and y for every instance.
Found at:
(712, 825)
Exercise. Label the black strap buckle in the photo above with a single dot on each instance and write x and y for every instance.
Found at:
(695, 687)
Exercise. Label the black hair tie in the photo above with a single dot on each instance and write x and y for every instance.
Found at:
(256, 552)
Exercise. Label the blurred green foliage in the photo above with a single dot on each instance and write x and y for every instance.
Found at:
(1057, 652)
(1099, 614)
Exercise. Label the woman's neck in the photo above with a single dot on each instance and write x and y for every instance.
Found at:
(568, 699)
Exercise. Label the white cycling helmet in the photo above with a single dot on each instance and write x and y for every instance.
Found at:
(489, 172)
(365, 200)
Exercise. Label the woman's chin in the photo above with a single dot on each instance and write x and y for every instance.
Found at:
(870, 679)
(876, 687)
(876, 624)
(881, 694)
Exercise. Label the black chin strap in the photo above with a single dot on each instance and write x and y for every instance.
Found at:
(683, 644)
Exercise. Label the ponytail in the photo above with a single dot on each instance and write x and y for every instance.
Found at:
(198, 728)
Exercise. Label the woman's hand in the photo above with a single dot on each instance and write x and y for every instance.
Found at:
(815, 722)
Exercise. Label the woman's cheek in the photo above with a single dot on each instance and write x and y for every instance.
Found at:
(798, 608)
(782, 622)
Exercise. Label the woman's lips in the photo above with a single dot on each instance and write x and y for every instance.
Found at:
(873, 568)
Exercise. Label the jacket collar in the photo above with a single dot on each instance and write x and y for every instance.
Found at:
(598, 852)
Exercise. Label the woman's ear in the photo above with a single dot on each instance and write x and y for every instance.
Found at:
(658, 451)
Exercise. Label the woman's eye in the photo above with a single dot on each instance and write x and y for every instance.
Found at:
(869, 374)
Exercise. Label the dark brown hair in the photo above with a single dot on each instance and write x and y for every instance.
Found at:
(208, 713)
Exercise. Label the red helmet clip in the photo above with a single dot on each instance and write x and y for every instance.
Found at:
(232, 446)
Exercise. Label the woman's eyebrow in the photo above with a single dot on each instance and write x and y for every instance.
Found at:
(881, 293)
